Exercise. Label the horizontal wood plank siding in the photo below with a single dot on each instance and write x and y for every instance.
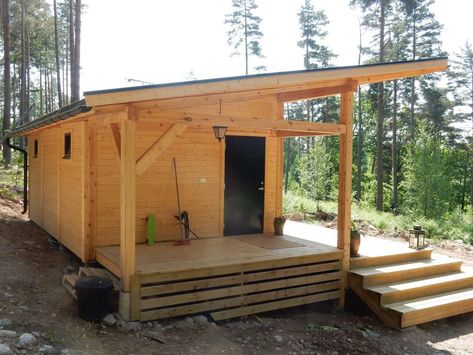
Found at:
(243, 289)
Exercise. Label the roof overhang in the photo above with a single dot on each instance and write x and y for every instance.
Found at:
(288, 86)
(270, 82)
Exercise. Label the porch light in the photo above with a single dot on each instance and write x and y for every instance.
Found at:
(417, 238)
(220, 132)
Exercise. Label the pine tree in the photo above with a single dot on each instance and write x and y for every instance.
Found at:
(461, 83)
(313, 32)
(244, 29)
(376, 13)
(424, 33)
(6, 79)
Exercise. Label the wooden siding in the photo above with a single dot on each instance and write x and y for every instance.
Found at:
(56, 185)
(71, 190)
(50, 177)
(200, 165)
(35, 197)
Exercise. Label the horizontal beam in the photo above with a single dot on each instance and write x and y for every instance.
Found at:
(249, 123)
(290, 96)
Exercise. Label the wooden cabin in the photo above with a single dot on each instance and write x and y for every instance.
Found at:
(99, 167)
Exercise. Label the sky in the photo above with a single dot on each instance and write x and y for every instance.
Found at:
(160, 41)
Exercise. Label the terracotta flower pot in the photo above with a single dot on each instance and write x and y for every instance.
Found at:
(355, 240)
(278, 228)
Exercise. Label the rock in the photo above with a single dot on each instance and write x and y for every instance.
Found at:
(65, 352)
(8, 295)
(36, 334)
(24, 308)
(189, 320)
(134, 326)
(5, 322)
(109, 320)
(5, 349)
(26, 341)
(202, 320)
(278, 338)
(7, 333)
(46, 349)
(153, 335)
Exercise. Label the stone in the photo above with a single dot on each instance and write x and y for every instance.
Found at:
(5, 322)
(109, 320)
(26, 341)
(65, 352)
(8, 295)
(202, 320)
(134, 326)
(278, 338)
(5, 349)
(46, 349)
(7, 333)
(189, 320)
(36, 334)
(24, 308)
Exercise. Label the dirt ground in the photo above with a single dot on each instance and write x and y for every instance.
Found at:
(34, 300)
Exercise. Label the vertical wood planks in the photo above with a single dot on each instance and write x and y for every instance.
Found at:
(344, 186)
(127, 201)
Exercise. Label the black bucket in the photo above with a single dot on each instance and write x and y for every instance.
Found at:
(92, 297)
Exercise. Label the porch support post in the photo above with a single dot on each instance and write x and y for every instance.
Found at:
(344, 187)
(127, 200)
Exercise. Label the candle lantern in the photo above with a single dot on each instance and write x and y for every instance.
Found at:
(417, 238)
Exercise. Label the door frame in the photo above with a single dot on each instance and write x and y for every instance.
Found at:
(222, 175)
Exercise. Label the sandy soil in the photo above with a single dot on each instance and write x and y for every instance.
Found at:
(32, 297)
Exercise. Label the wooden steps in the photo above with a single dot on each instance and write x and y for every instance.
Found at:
(415, 291)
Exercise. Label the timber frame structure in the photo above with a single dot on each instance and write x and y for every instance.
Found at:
(117, 168)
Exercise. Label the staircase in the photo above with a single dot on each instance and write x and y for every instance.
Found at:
(411, 288)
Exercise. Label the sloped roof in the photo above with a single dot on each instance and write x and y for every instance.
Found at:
(271, 82)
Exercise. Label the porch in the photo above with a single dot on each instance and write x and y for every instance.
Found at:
(228, 277)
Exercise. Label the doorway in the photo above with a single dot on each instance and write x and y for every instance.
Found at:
(244, 185)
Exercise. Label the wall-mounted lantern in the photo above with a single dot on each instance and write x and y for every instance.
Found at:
(220, 132)
(417, 238)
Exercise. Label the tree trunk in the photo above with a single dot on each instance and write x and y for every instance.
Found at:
(6, 79)
(56, 48)
(71, 49)
(22, 62)
(77, 23)
(412, 121)
(380, 121)
(246, 39)
(394, 154)
(359, 137)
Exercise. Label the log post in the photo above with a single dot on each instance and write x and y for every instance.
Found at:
(344, 188)
(127, 200)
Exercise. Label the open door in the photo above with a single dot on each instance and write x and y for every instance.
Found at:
(244, 185)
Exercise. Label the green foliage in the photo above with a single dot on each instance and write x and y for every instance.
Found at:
(11, 179)
(313, 32)
(453, 225)
(244, 29)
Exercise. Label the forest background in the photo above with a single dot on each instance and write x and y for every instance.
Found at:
(413, 138)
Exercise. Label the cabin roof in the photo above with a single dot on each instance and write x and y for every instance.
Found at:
(278, 82)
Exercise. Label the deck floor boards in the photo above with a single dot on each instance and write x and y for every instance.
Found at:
(212, 252)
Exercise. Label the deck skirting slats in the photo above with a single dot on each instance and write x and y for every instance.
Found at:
(266, 286)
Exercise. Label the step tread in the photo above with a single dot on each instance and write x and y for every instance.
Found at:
(386, 269)
(420, 282)
(427, 302)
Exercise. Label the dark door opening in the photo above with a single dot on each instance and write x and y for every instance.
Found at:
(244, 185)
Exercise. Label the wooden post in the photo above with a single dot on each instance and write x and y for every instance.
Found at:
(127, 201)
(344, 187)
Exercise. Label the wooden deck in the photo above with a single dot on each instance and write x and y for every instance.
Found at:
(229, 276)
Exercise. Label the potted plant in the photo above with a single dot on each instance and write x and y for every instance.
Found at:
(278, 223)
(355, 239)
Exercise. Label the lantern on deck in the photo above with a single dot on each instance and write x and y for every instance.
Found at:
(417, 238)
